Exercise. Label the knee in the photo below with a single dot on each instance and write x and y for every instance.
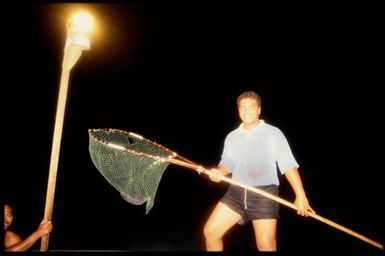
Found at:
(267, 246)
(209, 232)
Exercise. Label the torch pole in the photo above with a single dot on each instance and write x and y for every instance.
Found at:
(77, 40)
(71, 55)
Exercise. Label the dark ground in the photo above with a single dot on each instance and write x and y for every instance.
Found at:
(172, 72)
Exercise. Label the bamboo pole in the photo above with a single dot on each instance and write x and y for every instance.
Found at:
(200, 169)
(71, 55)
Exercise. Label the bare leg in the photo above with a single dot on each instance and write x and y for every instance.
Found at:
(265, 234)
(219, 222)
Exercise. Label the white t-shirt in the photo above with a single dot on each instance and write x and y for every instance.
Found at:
(252, 156)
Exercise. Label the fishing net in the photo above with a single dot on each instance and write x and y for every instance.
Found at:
(120, 158)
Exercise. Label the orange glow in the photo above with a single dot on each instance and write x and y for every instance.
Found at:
(81, 22)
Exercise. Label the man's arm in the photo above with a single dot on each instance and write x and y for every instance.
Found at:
(301, 200)
(44, 228)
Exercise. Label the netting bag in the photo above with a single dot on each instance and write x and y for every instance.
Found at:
(123, 159)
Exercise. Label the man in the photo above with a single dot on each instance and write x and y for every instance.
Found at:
(252, 153)
(13, 242)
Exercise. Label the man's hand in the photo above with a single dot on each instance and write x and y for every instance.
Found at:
(215, 175)
(44, 228)
(303, 206)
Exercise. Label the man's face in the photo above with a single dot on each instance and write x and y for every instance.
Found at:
(249, 110)
(8, 216)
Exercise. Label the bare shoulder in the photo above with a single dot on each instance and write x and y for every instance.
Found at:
(11, 238)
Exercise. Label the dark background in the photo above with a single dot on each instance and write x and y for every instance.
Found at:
(172, 72)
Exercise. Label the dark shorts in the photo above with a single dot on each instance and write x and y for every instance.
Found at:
(251, 205)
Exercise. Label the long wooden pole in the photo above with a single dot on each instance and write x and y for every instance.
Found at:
(200, 169)
(71, 55)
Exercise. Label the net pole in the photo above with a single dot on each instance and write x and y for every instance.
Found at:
(281, 201)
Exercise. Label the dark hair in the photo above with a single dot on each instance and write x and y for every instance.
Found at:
(250, 95)
(10, 203)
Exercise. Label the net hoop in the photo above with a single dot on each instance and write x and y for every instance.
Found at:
(132, 164)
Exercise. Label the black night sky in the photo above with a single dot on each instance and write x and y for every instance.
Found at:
(171, 72)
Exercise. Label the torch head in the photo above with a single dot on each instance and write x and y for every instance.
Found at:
(78, 29)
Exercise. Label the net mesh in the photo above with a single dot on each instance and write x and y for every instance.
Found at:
(121, 158)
